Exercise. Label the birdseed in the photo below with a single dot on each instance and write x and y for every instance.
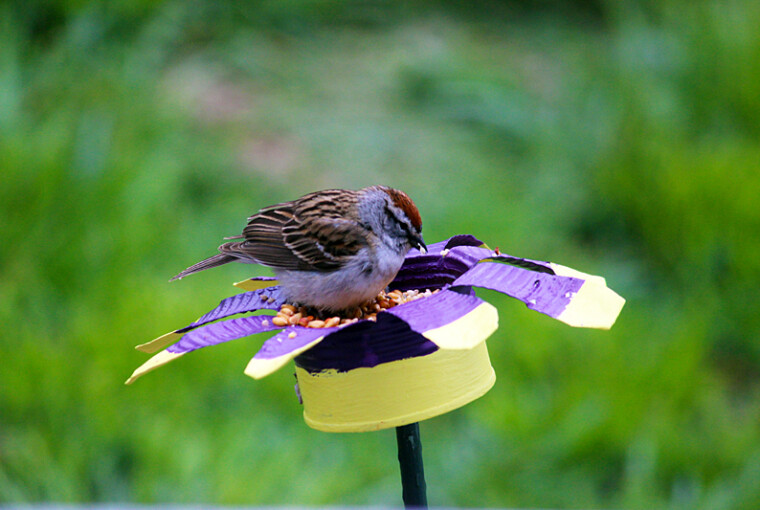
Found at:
(279, 320)
(309, 318)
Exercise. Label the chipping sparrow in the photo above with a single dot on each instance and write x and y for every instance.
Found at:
(332, 249)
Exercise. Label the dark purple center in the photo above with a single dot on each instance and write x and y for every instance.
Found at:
(366, 344)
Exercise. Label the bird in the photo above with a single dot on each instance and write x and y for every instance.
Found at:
(331, 250)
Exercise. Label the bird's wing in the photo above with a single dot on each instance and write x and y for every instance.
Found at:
(263, 239)
(311, 233)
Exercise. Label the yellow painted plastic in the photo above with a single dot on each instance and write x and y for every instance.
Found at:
(396, 393)
(160, 359)
(159, 343)
(249, 285)
(593, 306)
(467, 331)
(262, 367)
(574, 273)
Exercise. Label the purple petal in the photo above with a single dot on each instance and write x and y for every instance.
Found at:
(268, 298)
(437, 269)
(470, 250)
(546, 293)
(531, 265)
(463, 240)
(428, 272)
(221, 332)
(264, 278)
(469, 255)
(447, 244)
(434, 311)
(284, 346)
(290, 339)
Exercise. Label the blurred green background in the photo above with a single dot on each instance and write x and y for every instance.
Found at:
(620, 138)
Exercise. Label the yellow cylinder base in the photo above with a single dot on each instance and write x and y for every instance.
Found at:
(396, 393)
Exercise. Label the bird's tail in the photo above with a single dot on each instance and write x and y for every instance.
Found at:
(217, 260)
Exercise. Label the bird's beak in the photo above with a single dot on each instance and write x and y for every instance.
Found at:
(418, 243)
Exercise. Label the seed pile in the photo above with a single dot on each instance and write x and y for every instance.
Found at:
(302, 316)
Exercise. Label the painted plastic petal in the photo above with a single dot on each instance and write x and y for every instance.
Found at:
(223, 331)
(268, 298)
(542, 292)
(561, 297)
(449, 319)
(463, 240)
(428, 272)
(568, 271)
(159, 360)
(159, 343)
(473, 255)
(595, 305)
(469, 255)
(444, 263)
(530, 265)
(447, 244)
(283, 347)
(257, 283)
(205, 336)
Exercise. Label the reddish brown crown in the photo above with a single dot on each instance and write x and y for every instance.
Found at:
(403, 202)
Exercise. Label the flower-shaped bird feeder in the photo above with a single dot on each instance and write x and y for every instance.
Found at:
(417, 352)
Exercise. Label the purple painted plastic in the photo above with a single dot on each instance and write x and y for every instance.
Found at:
(224, 331)
(241, 303)
(289, 340)
(542, 292)
(366, 344)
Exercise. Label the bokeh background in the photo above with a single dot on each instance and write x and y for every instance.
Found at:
(617, 137)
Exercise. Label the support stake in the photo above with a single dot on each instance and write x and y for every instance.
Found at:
(410, 461)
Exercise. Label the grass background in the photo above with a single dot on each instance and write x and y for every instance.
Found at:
(616, 137)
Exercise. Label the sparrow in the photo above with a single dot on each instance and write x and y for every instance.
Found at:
(331, 250)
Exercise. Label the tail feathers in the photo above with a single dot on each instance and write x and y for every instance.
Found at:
(217, 260)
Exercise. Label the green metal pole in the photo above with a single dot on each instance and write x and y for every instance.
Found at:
(410, 460)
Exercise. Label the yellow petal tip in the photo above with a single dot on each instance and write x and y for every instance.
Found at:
(593, 306)
(159, 343)
(251, 285)
(262, 367)
(160, 359)
(468, 330)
